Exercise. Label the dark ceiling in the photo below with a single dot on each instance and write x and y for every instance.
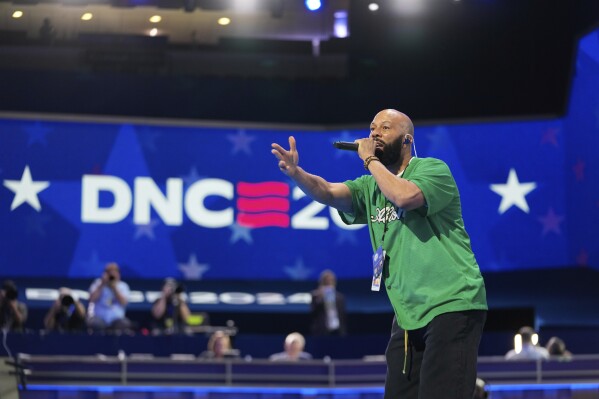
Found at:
(481, 59)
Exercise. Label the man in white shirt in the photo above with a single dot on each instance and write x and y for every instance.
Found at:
(529, 350)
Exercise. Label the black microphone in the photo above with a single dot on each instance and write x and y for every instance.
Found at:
(346, 145)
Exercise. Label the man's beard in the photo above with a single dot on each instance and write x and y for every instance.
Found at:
(390, 154)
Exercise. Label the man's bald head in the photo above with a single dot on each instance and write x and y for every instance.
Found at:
(405, 123)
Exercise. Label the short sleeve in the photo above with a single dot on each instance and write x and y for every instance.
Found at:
(124, 288)
(94, 285)
(358, 214)
(436, 182)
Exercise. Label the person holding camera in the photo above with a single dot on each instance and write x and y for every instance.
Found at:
(170, 312)
(327, 308)
(67, 313)
(108, 298)
(13, 313)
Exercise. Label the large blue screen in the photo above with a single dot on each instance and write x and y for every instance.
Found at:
(208, 202)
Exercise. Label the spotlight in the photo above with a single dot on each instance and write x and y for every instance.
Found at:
(340, 25)
(87, 16)
(313, 5)
(17, 14)
(373, 6)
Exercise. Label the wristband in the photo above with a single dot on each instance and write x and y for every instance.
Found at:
(370, 159)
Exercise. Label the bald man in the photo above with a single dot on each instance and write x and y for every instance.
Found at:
(413, 211)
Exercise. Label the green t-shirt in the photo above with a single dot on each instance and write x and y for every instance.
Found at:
(430, 267)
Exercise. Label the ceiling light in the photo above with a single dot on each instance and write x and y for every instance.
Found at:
(245, 5)
(224, 21)
(340, 25)
(17, 14)
(87, 16)
(155, 19)
(313, 5)
(373, 6)
(153, 32)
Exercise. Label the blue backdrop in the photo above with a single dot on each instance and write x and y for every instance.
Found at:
(210, 203)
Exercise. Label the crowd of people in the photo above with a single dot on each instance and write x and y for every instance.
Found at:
(170, 314)
(106, 311)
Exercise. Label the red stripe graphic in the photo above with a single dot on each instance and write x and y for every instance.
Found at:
(263, 204)
(269, 219)
(262, 189)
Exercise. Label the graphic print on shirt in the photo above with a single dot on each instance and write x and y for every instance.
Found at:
(386, 214)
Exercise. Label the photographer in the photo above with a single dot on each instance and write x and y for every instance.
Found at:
(13, 313)
(170, 312)
(108, 298)
(66, 313)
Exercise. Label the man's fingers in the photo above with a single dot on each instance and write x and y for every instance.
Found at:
(277, 147)
(292, 147)
(277, 154)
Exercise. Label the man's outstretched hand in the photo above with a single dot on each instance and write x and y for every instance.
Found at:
(288, 160)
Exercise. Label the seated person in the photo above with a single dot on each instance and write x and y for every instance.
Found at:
(13, 313)
(170, 312)
(66, 314)
(528, 350)
(108, 298)
(219, 347)
(294, 349)
(557, 349)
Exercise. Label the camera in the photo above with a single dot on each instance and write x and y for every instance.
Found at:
(11, 294)
(10, 290)
(176, 289)
(179, 289)
(67, 301)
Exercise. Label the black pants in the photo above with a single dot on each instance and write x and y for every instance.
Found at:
(441, 358)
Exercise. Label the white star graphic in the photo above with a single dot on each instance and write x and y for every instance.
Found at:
(241, 142)
(240, 233)
(192, 270)
(192, 177)
(94, 263)
(298, 271)
(513, 192)
(146, 230)
(26, 190)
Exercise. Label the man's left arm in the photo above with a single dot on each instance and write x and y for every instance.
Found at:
(19, 311)
(401, 192)
(121, 292)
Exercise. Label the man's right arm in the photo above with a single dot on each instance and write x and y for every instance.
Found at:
(96, 290)
(336, 195)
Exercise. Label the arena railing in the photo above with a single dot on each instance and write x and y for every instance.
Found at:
(146, 370)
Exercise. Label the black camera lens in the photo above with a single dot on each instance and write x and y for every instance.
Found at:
(180, 288)
(10, 290)
(111, 277)
(11, 294)
(67, 301)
